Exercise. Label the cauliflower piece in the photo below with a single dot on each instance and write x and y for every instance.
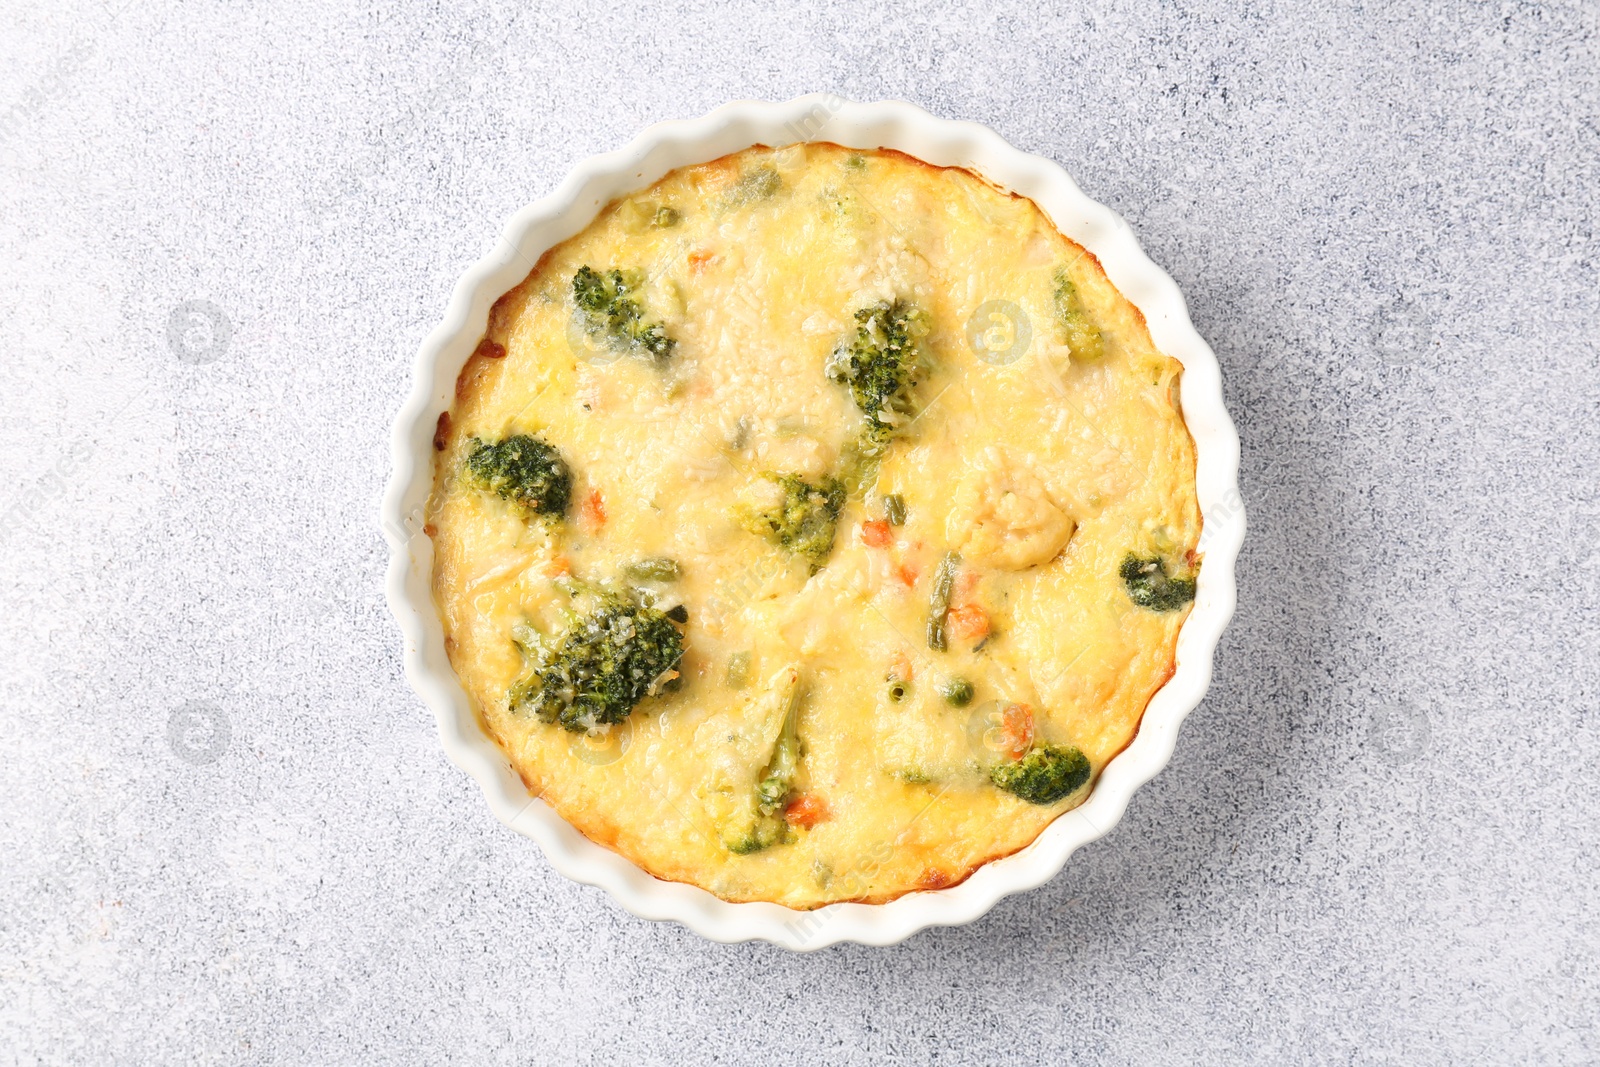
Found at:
(1003, 517)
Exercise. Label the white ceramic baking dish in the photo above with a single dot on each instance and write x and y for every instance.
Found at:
(664, 147)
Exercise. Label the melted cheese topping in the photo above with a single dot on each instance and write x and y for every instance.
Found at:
(1044, 471)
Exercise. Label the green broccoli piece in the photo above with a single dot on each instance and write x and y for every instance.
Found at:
(1081, 336)
(524, 470)
(859, 461)
(760, 184)
(1150, 586)
(805, 520)
(1045, 775)
(761, 824)
(882, 363)
(609, 309)
(913, 776)
(606, 661)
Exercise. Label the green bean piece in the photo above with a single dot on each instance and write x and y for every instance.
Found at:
(659, 569)
(939, 604)
(894, 505)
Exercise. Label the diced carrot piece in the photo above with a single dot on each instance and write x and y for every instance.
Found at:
(806, 810)
(1016, 729)
(875, 533)
(698, 261)
(906, 572)
(594, 509)
(970, 622)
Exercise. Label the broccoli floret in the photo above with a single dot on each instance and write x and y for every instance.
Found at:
(804, 520)
(1150, 586)
(761, 824)
(605, 663)
(609, 308)
(1081, 335)
(1045, 775)
(524, 470)
(882, 364)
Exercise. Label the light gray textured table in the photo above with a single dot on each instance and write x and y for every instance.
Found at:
(1377, 841)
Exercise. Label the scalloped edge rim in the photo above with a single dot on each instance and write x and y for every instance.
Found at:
(565, 212)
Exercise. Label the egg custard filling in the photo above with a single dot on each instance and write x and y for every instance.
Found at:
(815, 525)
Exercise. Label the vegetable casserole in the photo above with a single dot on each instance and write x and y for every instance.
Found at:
(815, 525)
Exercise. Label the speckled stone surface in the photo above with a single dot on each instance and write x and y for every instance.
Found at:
(228, 833)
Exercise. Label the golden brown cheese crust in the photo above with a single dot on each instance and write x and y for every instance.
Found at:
(1044, 470)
